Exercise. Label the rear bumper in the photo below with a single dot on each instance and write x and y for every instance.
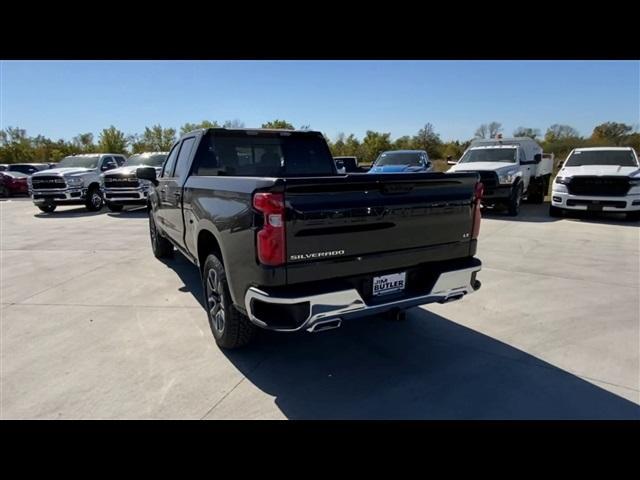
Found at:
(346, 304)
(628, 203)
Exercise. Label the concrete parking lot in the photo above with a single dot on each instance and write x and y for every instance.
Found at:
(93, 326)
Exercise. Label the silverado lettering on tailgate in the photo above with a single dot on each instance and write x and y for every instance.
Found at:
(309, 256)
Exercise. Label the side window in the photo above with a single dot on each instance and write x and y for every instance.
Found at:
(183, 157)
(167, 170)
(108, 163)
(120, 161)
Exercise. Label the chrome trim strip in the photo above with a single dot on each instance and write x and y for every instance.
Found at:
(456, 283)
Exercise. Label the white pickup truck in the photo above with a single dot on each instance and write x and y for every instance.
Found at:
(603, 179)
(510, 169)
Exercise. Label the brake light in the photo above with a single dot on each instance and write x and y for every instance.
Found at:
(479, 191)
(271, 240)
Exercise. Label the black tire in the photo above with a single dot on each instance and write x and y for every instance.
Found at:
(114, 207)
(633, 216)
(230, 328)
(47, 207)
(162, 248)
(94, 201)
(537, 191)
(4, 192)
(513, 206)
(555, 211)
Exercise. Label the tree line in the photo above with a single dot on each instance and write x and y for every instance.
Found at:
(16, 146)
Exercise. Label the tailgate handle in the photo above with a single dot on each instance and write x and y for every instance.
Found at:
(395, 188)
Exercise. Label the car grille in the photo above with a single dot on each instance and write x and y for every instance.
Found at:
(47, 182)
(599, 186)
(488, 179)
(120, 181)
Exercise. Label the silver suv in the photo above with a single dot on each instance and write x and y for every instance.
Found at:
(75, 181)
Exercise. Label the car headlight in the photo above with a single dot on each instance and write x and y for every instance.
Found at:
(74, 181)
(507, 178)
(563, 180)
(634, 182)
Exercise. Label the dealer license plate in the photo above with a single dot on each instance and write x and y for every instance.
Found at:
(394, 282)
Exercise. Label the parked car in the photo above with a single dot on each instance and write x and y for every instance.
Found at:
(510, 169)
(283, 243)
(13, 183)
(75, 181)
(350, 164)
(122, 187)
(28, 168)
(402, 161)
(600, 179)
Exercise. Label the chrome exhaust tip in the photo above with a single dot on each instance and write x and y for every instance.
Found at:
(325, 325)
(452, 298)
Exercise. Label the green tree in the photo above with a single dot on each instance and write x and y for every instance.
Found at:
(233, 124)
(158, 139)
(403, 143)
(189, 127)
(373, 144)
(611, 133)
(560, 132)
(278, 124)
(112, 140)
(526, 132)
(488, 130)
(16, 146)
(427, 139)
(84, 142)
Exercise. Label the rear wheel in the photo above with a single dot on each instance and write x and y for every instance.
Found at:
(47, 207)
(94, 200)
(513, 207)
(4, 191)
(231, 329)
(554, 211)
(114, 207)
(537, 190)
(162, 248)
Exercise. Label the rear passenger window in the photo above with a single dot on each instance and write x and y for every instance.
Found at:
(183, 157)
(167, 170)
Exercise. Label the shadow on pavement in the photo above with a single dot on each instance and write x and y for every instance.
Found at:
(424, 368)
(80, 211)
(539, 213)
(131, 212)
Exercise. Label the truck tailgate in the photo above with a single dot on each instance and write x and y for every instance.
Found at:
(344, 219)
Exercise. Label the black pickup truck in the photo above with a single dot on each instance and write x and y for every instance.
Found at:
(285, 243)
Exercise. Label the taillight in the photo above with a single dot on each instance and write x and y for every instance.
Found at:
(271, 240)
(479, 191)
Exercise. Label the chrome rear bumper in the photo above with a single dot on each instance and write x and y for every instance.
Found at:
(343, 304)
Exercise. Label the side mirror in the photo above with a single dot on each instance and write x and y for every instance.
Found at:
(147, 173)
(339, 164)
(537, 158)
(108, 166)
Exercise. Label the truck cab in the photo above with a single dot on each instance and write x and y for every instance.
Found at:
(511, 170)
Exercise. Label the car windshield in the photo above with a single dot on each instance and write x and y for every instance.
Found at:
(150, 160)
(398, 158)
(79, 161)
(622, 158)
(506, 155)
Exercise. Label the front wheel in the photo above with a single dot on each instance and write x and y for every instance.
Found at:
(513, 207)
(94, 200)
(162, 248)
(47, 207)
(231, 329)
(554, 211)
(114, 207)
(4, 191)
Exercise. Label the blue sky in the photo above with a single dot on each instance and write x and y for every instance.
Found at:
(60, 99)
